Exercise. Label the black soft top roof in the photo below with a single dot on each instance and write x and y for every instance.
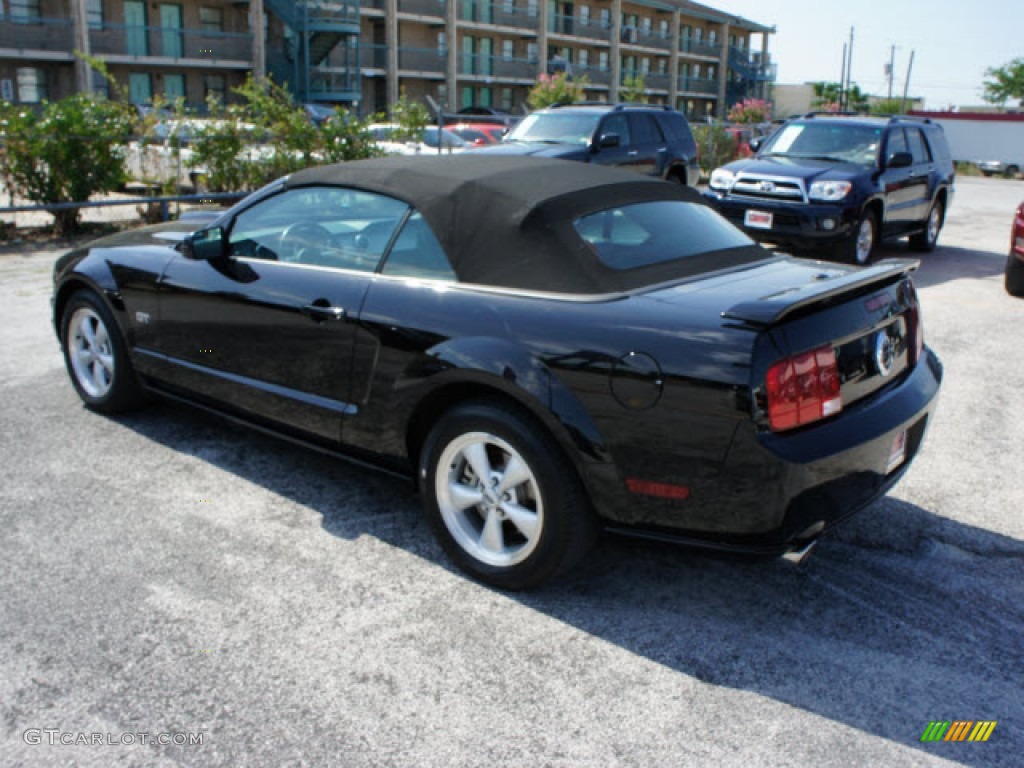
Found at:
(508, 221)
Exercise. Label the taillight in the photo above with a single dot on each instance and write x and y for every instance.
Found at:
(1017, 235)
(803, 388)
(916, 333)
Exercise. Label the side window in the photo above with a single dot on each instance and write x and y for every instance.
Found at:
(318, 226)
(644, 129)
(620, 125)
(917, 146)
(416, 253)
(896, 143)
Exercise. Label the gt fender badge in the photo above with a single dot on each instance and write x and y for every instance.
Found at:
(142, 317)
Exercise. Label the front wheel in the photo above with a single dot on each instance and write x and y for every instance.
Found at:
(95, 355)
(925, 241)
(861, 246)
(501, 497)
(1014, 280)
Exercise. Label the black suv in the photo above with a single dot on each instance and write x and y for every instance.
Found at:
(652, 140)
(843, 182)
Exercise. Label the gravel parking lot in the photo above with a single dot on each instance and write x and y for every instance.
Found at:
(166, 575)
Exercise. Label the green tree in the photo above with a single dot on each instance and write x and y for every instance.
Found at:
(632, 90)
(826, 97)
(411, 117)
(715, 144)
(556, 89)
(1005, 83)
(71, 150)
(888, 107)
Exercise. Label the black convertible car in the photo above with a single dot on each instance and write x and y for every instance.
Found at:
(548, 348)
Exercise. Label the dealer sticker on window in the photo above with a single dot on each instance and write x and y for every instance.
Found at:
(758, 219)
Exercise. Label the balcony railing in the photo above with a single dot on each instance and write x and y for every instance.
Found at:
(698, 85)
(434, 8)
(422, 60)
(503, 14)
(595, 75)
(651, 38)
(333, 83)
(38, 34)
(497, 66)
(700, 47)
(658, 81)
(592, 29)
(373, 56)
(170, 42)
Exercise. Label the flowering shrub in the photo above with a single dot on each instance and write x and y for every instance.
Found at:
(556, 89)
(751, 111)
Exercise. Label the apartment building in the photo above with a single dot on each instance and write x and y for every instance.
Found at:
(459, 52)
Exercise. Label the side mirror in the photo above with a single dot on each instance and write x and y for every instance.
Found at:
(755, 143)
(608, 141)
(204, 245)
(900, 160)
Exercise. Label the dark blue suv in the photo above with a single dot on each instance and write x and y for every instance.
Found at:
(655, 141)
(841, 183)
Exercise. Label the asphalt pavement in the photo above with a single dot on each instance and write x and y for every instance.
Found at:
(168, 577)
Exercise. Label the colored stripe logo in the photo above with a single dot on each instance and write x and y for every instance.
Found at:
(959, 730)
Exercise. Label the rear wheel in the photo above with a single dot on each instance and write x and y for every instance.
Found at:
(1011, 172)
(1014, 276)
(501, 497)
(95, 355)
(925, 241)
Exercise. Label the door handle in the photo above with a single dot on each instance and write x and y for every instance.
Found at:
(633, 153)
(321, 312)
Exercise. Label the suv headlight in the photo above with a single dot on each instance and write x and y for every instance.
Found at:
(829, 191)
(722, 179)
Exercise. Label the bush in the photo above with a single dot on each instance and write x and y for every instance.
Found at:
(556, 89)
(71, 150)
(716, 146)
(750, 111)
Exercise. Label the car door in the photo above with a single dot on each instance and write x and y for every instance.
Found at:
(647, 151)
(616, 124)
(900, 196)
(268, 328)
(920, 176)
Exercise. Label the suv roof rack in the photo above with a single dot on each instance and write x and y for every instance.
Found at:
(826, 113)
(613, 105)
(907, 119)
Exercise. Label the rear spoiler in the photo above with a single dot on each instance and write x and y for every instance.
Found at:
(768, 310)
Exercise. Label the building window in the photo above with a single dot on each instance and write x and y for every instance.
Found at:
(663, 29)
(174, 87)
(531, 51)
(100, 85)
(442, 43)
(602, 61)
(695, 71)
(662, 66)
(712, 37)
(467, 96)
(698, 35)
(211, 19)
(645, 66)
(531, 8)
(215, 86)
(140, 88)
(484, 97)
(583, 58)
(508, 49)
(442, 95)
(584, 15)
(25, 10)
(711, 72)
(606, 18)
(508, 7)
(645, 25)
(31, 85)
(506, 99)
(94, 14)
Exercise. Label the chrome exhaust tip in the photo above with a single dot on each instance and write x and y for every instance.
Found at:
(800, 555)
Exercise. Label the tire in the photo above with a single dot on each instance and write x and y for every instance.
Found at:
(1014, 276)
(1011, 172)
(925, 241)
(96, 356)
(860, 248)
(514, 537)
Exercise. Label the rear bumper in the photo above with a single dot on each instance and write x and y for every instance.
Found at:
(798, 225)
(778, 491)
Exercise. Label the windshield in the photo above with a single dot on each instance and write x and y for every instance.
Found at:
(826, 141)
(555, 128)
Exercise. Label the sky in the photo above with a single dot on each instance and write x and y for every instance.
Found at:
(954, 42)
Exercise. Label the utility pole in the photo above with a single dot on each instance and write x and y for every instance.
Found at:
(906, 85)
(842, 79)
(892, 64)
(849, 69)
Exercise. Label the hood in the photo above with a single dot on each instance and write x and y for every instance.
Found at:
(796, 167)
(537, 149)
(168, 234)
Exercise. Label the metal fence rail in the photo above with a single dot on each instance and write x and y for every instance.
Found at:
(163, 202)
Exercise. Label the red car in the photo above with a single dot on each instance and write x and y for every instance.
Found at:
(1015, 261)
(479, 134)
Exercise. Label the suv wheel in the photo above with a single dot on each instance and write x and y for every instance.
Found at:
(861, 245)
(925, 241)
